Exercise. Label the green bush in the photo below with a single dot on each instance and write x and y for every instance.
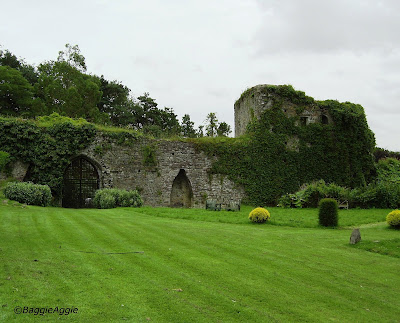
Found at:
(28, 193)
(393, 219)
(4, 159)
(107, 201)
(309, 195)
(259, 215)
(111, 197)
(384, 195)
(388, 170)
(328, 212)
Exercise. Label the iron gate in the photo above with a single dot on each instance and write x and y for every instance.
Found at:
(81, 180)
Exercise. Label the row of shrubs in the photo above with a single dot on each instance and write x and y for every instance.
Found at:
(108, 198)
(327, 214)
(35, 194)
(40, 195)
(379, 195)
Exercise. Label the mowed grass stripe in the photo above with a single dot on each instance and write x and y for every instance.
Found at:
(180, 239)
(73, 272)
(145, 270)
(117, 285)
(296, 283)
(226, 272)
(171, 272)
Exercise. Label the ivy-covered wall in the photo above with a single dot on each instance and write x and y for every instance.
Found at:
(45, 148)
(123, 159)
(278, 152)
(288, 139)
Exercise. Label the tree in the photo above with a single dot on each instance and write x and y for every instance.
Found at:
(150, 113)
(200, 131)
(27, 71)
(214, 128)
(212, 125)
(187, 127)
(154, 120)
(72, 56)
(65, 89)
(115, 101)
(169, 122)
(223, 130)
(16, 94)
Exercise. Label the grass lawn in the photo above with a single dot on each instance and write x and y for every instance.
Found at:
(174, 265)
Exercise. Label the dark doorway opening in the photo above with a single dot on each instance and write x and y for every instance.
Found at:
(303, 121)
(81, 180)
(181, 193)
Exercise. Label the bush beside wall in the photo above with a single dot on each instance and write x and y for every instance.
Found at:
(28, 193)
(262, 161)
(108, 198)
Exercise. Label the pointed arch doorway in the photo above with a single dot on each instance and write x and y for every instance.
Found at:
(181, 193)
(81, 180)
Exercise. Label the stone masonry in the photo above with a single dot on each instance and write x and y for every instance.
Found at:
(258, 99)
(122, 166)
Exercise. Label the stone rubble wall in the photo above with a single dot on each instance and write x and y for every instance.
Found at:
(253, 104)
(122, 166)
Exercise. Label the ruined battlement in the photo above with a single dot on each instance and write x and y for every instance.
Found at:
(254, 101)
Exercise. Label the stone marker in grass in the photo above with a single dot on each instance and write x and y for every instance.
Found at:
(355, 236)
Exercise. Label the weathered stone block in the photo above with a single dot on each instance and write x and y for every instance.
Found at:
(355, 236)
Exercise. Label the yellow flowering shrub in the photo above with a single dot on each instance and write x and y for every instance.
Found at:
(393, 218)
(259, 215)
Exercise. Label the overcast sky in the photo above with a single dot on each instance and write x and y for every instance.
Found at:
(198, 56)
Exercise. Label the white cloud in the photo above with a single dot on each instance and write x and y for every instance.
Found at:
(329, 26)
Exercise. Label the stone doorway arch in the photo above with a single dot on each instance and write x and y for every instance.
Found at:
(181, 193)
(81, 180)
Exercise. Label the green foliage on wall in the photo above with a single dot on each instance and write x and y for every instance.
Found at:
(46, 147)
(4, 159)
(263, 160)
(339, 152)
(150, 155)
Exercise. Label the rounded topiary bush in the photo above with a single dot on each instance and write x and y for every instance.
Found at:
(393, 219)
(328, 213)
(28, 193)
(259, 215)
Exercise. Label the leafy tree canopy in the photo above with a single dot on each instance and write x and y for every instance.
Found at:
(16, 93)
(63, 86)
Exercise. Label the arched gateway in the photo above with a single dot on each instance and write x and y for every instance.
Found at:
(181, 193)
(81, 180)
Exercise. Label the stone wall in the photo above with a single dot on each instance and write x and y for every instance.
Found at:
(124, 166)
(18, 171)
(258, 99)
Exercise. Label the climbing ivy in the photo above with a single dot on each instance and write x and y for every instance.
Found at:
(46, 148)
(150, 155)
(339, 152)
